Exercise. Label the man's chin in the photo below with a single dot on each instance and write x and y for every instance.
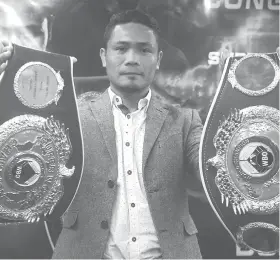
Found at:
(131, 88)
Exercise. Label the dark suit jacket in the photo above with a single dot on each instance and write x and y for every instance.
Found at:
(170, 159)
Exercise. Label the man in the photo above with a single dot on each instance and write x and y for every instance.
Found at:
(139, 157)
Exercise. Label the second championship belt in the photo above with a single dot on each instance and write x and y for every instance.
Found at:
(239, 152)
(41, 155)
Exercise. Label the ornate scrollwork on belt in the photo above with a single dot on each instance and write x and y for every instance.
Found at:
(247, 152)
(259, 236)
(33, 156)
(255, 74)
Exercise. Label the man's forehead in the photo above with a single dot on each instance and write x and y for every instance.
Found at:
(133, 32)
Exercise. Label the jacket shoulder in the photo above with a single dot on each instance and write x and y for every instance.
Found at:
(84, 99)
(88, 96)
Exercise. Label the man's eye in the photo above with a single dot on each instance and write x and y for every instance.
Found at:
(146, 50)
(122, 49)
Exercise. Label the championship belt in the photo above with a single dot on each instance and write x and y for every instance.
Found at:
(239, 152)
(40, 136)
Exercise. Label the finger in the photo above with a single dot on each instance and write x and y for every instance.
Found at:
(5, 42)
(3, 67)
(224, 54)
(5, 56)
(74, 60)
(8, 48)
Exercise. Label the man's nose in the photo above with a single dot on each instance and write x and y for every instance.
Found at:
(132, 58)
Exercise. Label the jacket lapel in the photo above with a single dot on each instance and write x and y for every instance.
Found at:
(156, 115)
(102, 111)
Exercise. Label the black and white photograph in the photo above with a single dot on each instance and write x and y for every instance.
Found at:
(139, 129)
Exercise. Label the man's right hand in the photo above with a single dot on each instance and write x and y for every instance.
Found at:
(6, 50)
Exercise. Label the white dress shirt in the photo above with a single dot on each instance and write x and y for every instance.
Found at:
(132, 231)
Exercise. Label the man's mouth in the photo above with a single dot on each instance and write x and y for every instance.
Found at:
(131, 73)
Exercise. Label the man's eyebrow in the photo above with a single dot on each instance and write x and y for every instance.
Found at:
(137, 43)
(121, 42)
(145, 44)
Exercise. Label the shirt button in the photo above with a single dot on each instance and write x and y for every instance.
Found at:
(129, 172)
(132, 205)
(104, 224)
(134, 239)
(111, 184)
(128, 116)
(127, 143)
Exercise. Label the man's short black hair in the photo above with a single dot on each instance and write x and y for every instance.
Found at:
(131, 16)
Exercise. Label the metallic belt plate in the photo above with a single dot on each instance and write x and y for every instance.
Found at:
(239, 152)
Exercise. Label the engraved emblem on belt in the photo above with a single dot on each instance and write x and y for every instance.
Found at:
(247, 152)
(33, 154)
(37, 85)
(255, 74)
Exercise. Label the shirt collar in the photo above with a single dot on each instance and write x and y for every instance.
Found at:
(116, 100)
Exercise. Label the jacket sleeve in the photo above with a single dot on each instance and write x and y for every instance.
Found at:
(192, 136)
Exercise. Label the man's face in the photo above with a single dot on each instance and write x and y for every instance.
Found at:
(132, 57)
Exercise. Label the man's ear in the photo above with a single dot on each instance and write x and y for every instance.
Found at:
(160, 54)
(102, 54)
